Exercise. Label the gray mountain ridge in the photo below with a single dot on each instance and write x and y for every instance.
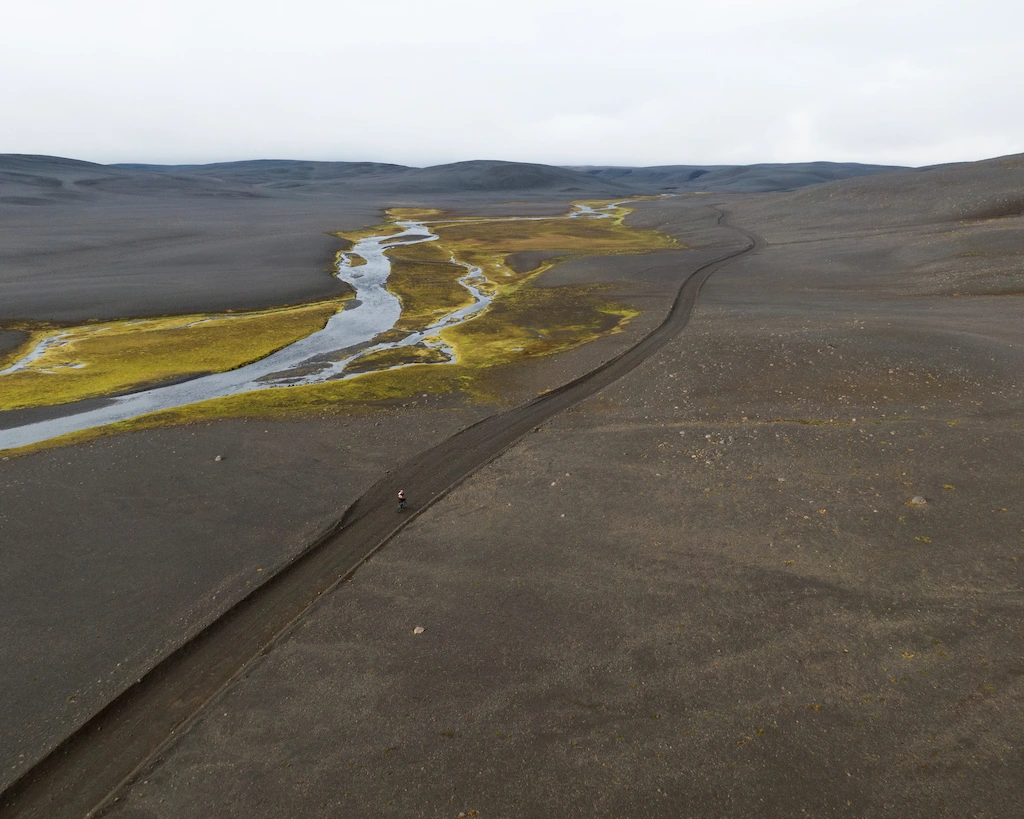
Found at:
(28, 179)
(81, 241)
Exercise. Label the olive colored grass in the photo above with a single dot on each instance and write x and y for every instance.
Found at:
(330, 397)
(428, 291)
(431, 251)
(397, 357)
(353, 236)
(114, 357)
(535, 321)
(523, 322)
(586, 236)
(389, 228)
(414, 214)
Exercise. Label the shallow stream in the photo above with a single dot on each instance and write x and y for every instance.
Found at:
(321, 356)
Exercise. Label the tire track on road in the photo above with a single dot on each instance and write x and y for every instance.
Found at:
(83, 774)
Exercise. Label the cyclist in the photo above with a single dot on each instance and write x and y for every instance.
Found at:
(401, 499)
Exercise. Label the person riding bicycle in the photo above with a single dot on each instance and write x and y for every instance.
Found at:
(401, 499)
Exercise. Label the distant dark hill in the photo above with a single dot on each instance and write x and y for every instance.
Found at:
(35, 180)
(491, 176)
(166, 184)
(26, 179)
(38, 163)
(83, 241)
(274, 172)
(481, 176)
(734, 178)
(991, 189)
(40, 180)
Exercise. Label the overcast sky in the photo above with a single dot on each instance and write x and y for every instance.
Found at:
(630, 82)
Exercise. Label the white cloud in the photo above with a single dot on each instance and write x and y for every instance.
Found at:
(561, 81)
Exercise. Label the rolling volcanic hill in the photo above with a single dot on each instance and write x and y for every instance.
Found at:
(37, 180)
(82, 241)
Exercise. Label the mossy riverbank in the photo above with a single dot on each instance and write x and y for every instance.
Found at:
(523, 322)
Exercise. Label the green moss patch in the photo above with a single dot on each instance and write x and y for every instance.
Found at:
(104, 359)
(532, 321)
(414, 214)
(571, 236)
(523, 322)
(428, 290)
(385, 359)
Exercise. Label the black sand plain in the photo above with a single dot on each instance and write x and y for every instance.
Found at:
(703, 591)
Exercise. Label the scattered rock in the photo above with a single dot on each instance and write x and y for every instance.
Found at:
(917, 500)
(418, 630)
(219, 458)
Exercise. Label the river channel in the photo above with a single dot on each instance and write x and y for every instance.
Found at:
(321, 356)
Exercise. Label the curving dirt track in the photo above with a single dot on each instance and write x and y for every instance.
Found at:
(81, 774)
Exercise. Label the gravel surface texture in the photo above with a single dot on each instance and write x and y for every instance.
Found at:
(705, 591)
(711, 589)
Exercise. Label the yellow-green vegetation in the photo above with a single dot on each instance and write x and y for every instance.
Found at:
(399, 356)
(388, 228)
(377, 230)
(414, 214)
(428, 291)
(582, 236)
(104, 359)
(491, 245)
(529, 323)
(426, 281)
(506, 334)
(535, 321)
(524, 321)
(332, 396)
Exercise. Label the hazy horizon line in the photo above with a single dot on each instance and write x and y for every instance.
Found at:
(564, 165)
